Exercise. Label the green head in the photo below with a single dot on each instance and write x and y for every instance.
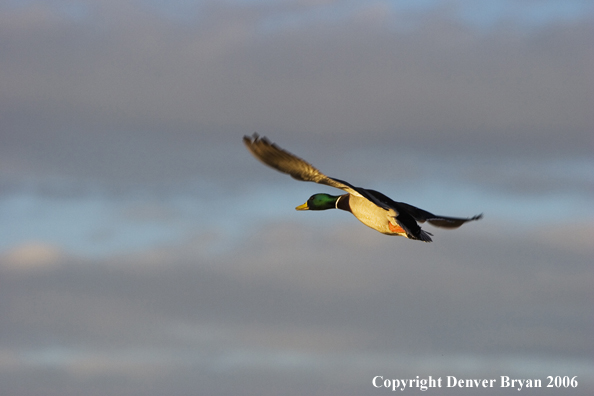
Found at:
(319, 202)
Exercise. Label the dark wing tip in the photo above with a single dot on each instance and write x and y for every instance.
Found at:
(264, 149)
(255, 139)
(250, 139)
(451, 222)
(261, 146)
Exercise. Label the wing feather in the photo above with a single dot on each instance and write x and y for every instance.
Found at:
(285, 162)
(421, 215)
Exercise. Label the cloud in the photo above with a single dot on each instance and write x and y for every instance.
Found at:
(279, 277)
(133, 96)
(121, 128)
(32, 256)
(304, 302)
(574, 237)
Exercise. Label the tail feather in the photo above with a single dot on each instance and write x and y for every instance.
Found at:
(424, 236)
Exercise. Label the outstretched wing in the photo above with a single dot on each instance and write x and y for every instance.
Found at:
(422, 216)
(283, 161)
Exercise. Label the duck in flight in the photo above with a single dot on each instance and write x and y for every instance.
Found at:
(371, 207)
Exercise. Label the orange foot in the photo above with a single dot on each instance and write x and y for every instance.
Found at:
(395, 228)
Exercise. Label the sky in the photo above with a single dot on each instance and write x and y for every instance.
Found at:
(144, 251)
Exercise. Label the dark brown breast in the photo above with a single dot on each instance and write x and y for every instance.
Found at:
(343, 203)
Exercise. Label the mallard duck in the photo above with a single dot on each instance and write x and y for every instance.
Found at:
(371, 207)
